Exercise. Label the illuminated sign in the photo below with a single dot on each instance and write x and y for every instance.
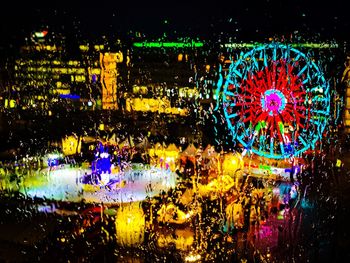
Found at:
(109, 74)
(168, 44)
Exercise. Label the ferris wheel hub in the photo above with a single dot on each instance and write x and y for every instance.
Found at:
(273, 101)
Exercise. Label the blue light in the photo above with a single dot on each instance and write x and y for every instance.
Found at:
(69, 96)
(52, 162)
(102, 163)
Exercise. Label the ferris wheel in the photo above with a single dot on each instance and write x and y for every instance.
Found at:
(276, 101)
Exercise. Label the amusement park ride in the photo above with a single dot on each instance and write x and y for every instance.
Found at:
(276, 101)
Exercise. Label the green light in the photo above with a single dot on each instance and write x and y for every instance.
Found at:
(316, 45)
(168, 44)
(138, 44)
(265, 167)
(240, 45)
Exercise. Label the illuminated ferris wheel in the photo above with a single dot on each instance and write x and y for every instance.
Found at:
(276, 101)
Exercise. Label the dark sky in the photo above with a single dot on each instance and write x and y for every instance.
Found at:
(243, 19)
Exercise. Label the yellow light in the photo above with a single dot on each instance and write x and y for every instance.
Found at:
(61, 91)
(192, 257)
(101, 127)
(71, 145)
(96, 71)
(84, 48)
(338, 164)
(130, 225)
(108, 62)
(12, 103)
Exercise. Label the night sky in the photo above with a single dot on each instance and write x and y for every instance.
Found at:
(253, 20)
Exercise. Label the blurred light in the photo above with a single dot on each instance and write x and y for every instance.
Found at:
(84, 48)
(168, 44)
(69, 96)
(41, 34)
(192, 257)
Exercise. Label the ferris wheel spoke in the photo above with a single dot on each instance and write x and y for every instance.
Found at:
(299, 115)
(262, 142)
(255, 64)
(274, 75)
(229, 82)
(248, 119)
(301, 108)
(274, 55)
(314, 121)
(234, 104)
(302, 70)
(237, 73)
(298, 93)
(296, 113)
(296, 60)
(270, 122)
(303, 141)
(271, 146)
(279, 128)
(305, 81)
(286, 53)
(251, 142)
(268, 78)
(282, 147)
(261, 116)
(232, 116)
(265, 59)
(257, 93)
(286, 117)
